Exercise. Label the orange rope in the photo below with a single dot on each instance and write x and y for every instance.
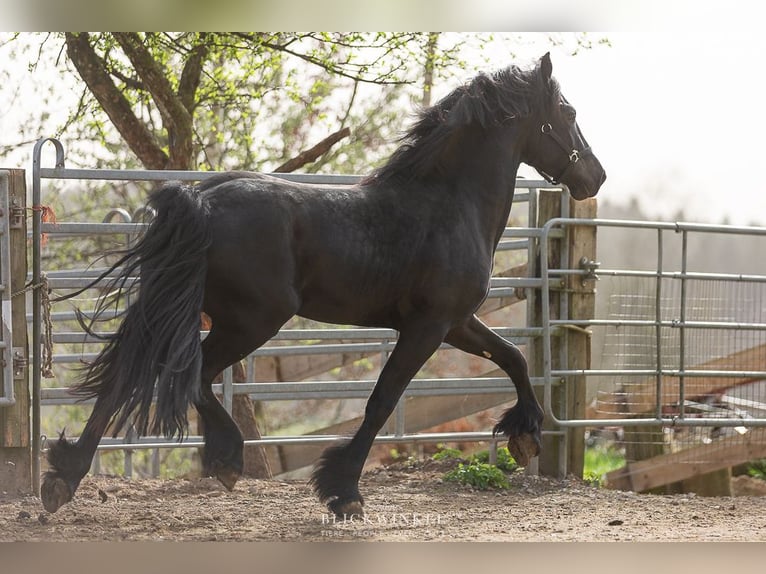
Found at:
(47, 216)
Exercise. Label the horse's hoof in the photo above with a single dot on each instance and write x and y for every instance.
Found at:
(55, 493)
(347, 510)
(228, 477)
(523, 448)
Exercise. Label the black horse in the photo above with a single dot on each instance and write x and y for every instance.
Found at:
(409, 248)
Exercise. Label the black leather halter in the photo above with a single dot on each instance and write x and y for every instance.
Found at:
(573, 154)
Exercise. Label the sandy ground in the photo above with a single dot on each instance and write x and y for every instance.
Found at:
(403, 503)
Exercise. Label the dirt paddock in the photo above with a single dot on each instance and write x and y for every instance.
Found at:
(403, 503)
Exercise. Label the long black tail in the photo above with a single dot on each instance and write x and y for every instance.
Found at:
(157, 345)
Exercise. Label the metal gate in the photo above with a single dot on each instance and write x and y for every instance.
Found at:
(680, 321)
(682, 373)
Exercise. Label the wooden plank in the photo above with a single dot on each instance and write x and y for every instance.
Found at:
(640, 398)
(15, 448)
(716, 483)
(660, 470)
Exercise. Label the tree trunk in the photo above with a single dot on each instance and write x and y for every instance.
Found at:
(243, 413)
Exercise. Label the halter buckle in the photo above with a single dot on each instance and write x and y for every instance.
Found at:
(574, 156)
(546, 128)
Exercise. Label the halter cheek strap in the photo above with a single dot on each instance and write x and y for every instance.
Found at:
(573, 154)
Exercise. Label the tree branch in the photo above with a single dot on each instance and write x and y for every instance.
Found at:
(313, 153)
(175, 117)
(325, 65)
(92, 70)
(192, 73)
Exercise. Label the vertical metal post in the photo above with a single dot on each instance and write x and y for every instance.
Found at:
(36, 302)
(128, 464)
(658, 326)
(156, 463)
(682, 326)
(228, 390)
(564, 345)
(546, 320)
(493, 452)
(399, 421)
(533, 468)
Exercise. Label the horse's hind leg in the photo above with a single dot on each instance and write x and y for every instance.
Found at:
(522, 423)
(228, 342)
(336, 475)
(70, 462)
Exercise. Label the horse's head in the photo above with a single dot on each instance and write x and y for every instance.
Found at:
(555, 145)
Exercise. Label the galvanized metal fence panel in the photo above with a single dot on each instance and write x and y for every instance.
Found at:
(326, 340)
(681, 323)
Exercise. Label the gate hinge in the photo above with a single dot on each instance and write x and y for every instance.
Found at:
(17, 215)
(20, 362)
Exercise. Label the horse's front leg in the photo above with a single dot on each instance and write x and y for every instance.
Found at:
(336, 475)
(522, 423)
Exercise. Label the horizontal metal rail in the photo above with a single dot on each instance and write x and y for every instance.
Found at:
(673, 324)
(333, 389)
(286, 350)
(692, 275)
(175, 175)
(381, 335)
(150, 443)
(72, 281)
(82, 228)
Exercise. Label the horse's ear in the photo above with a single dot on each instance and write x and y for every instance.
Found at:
(546, 67)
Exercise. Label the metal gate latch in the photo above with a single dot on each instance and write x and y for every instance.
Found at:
(590, 267)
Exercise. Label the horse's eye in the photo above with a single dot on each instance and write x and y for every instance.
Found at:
(569, 112)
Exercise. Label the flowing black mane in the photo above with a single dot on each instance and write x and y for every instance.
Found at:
(484, 102)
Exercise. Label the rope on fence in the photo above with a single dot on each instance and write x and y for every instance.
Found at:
(45, 303)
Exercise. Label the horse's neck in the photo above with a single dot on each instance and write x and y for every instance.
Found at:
(493, 197)
(505, 210)
(492, 164)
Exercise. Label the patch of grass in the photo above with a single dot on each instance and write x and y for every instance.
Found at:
(448, 454)
(599, 460)
(479, 475)
(757, 469)
(505, 461)
(476, 471)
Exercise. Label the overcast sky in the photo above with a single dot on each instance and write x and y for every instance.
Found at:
(676, 118)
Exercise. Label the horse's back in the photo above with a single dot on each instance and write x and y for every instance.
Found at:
(351, 254)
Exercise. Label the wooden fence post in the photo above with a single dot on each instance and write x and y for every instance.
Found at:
(549, 206)
(582, 305)
(15, 446)
(569, 398)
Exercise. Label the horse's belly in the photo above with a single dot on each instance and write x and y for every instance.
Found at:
(340, 305)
